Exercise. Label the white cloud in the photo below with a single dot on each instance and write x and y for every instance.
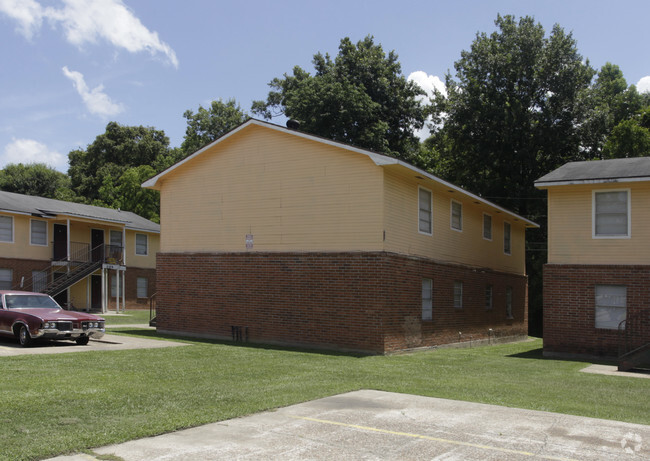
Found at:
(97, 102)
(87, 21)
(644, 85)
(28, 151)
(428, 83)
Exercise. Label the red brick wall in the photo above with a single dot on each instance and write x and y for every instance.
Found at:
(569, 306)
(350, 301)
(23, 268)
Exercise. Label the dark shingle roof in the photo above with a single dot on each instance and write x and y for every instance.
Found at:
(40, 206)
(620, 169)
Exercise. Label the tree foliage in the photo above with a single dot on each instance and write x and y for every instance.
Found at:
(206, 125)
(360, 97)
(36, 179)
(630, 138)
(105, 173)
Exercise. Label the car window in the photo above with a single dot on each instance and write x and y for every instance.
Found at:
(30, 301)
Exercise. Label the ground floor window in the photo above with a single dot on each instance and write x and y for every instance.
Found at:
(427, 299)
(458, 295)
(488, 297)
(143, 287)
(39, 280)
(509, 302)
(6, 279)
(114, 293)
(611, 306)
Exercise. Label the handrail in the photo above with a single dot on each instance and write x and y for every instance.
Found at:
(152, 310)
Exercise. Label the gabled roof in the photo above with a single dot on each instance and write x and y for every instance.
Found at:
(598, 171)
(50, 208)
(379, 160)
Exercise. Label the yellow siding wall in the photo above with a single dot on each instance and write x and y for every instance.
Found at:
(446, 244)
(291, 194)
(145, 262)
(570, 238)
(21, 247)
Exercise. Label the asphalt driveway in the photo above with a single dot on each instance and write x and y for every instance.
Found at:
(374, 425)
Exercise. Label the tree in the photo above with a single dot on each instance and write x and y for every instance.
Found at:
(102, 173)
(206, 125)
(512, 114)
(630, 138)
(36, 179)
(360, 98)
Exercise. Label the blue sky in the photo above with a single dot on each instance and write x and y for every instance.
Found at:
(71, 66)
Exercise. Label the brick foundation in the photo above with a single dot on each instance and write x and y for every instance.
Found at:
(363, 301)
(569, 307)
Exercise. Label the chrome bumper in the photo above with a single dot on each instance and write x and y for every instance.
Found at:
(53, 333)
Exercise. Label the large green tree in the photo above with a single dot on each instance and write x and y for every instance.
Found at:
(512, 114)
(630, 138)
(360, 97)
(36, 179)
(105, 173)
(206, 125)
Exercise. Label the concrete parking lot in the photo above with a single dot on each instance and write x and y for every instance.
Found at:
(374, 425)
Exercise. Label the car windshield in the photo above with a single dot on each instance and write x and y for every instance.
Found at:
(30, 301)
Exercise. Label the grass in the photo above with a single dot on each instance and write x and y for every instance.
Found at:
(136, 316)
(54, 404)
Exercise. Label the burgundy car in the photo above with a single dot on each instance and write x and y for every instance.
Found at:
(30, 316)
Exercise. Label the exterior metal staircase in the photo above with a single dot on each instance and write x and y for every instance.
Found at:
(634, 342)
(79, 272)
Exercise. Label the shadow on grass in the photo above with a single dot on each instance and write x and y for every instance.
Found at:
(153, 334)
(539, 355)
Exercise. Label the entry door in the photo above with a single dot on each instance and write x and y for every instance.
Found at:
(96, 292)
(97, 244)
(60, 242)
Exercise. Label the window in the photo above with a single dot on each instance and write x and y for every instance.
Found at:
(456, 215)
(611, 306)
(141, 244)
(6, 229)
(458, 295)
(116, 238)
(611, 214)
(506, 238)
(487, 227)
(426, 213)
(143, 287)
(509, 302)
(488, 297)
(114, 287)
(427, 299)
(39, 280)
(38, 233)
(6, 279)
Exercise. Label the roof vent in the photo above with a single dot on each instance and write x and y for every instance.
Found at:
(293, 124)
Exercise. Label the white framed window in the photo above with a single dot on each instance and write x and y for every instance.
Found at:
(115, 238)
(425, 216)
(141, 244)
(487, 226)
(458, 294)
(114, 287)
(6, 229)
(611, 214)
(38, 232)
(143, 287)
(39, 280)
(611, 306)
(6, 279)
(509, 302)
(507, 242)
(427, 299)
(488, 297)
(456, 215)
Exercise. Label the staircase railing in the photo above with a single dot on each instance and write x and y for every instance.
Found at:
(152, 310)
(634, 341)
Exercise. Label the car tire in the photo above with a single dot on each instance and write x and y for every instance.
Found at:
(23, 337)
(82, 340)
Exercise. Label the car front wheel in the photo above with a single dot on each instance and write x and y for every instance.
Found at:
(82, 340)
(23, 336)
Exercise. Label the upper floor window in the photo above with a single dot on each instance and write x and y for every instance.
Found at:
(456, 215)
(6, 229)
(425, 202)
(116, 238)
(507, 243)
(38, 233)
(141, 244)
(487, 227)
(611, 214)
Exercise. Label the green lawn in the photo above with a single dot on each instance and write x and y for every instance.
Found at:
(130, 317)
(53, 404)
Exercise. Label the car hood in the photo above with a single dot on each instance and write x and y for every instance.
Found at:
(57, 314)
